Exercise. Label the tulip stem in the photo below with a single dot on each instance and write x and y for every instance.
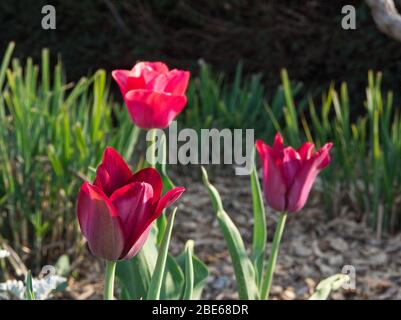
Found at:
(271, 265)
(151, 153)
(109, 280)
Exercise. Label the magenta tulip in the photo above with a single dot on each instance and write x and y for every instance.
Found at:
(116, 212)
(153, 94)
(288, 174)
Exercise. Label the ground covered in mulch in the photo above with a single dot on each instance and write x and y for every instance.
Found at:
(313, 247)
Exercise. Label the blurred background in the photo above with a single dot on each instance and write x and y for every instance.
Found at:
(272, 65)
(303, 36)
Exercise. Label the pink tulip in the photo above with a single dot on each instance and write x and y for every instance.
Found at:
(116, 212)
(154, 96)
(288, 174)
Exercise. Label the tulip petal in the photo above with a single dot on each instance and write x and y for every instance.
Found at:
(306, 150)
(149, 109)
(113, 173)
(138, 244)
(151, 176)
(100, 223)
(175, 82)
(290, 165)
(134, 203)
(157, 66)
(121, 77)
(274, 185)
(148, 71)
(303, 181)
(325, 149)
(278, 145)
(169, 198)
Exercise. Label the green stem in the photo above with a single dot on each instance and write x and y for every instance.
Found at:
(152, 148)
(109, 280)
(267, 280)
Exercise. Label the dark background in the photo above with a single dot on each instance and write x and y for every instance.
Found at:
(304, 36)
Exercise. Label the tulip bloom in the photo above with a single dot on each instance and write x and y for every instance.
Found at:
(288, 174)
(153, 94)
(116, 212)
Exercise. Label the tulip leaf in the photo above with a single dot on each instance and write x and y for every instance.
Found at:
(29, 293)
(259, 225)
(200, 274)
(158, 273)
(167, 184)
(173, 280)
(189, 271)
(324, 288)
(243, 267)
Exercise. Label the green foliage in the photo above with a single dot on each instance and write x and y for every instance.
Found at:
(29, 294)
(244, 270)
(213, 101)
(51, 132)
(365, 171)
(135, 275)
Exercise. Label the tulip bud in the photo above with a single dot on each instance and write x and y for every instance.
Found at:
(116, 212)
(288, 174)
(153, 94)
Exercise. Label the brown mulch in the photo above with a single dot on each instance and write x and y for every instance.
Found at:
(313, 248)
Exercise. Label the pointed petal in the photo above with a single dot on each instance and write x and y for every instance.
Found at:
(134, 203)
(306, 150)
(151, 176)
(274, 185)
(325, 149)
(278, 145)
(303, 181)
(99, 223)
(168, 199)
(149, 109)
(177, 82)
(121, 77)
(113, 173)
(290, 165)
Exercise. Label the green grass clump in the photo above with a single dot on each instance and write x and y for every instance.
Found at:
(51, 133)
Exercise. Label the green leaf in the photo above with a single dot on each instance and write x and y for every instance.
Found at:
(173, 280)
(63, 266)
(167, 185)
(243, 267)
(5, 62)
(158, 273)
(332, 283)
(29, 294)
(189, 271)
(200, 273)
(259, 225)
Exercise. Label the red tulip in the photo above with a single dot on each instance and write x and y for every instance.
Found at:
(154, 96)
(288, 174)
(116, 212)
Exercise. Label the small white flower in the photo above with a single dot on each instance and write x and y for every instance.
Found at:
(15, 287)
(4, 254)
(42, 288)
